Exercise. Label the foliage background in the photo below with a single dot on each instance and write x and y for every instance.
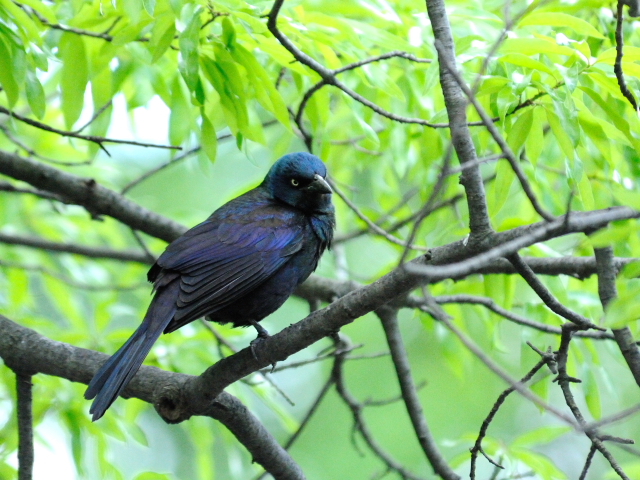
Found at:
(180, 73)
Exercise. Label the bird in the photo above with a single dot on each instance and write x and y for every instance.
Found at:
(238, 266)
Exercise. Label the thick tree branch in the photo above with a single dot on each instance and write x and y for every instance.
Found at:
(86, 192)
(35, 353)
(389, 318)
(608, 292)
(504, 146)
(456, 104)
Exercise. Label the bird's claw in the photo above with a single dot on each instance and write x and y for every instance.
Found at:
(262, 336)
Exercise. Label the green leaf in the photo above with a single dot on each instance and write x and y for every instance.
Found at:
(74, 76)
(266, 93)
(208, 138)
(540, 436)
(189, 42)
(179, 120)
(520, 130)
(586, 194)
(528, 62)
(228, 33)
(24, 23)
(620, 123)
(556, 19)
(162, 35)
(35, 94)
(624, 309)
(41, 8)
(560, 133)
(535, 140)
(541, 465)
(629, 54)
(130, 33)
(226, 79)
(8, 82)
(149, 6)
(153, 476)
(591, 393)
(534, 46)
(257, 25)
(501, 185)
(631, 270)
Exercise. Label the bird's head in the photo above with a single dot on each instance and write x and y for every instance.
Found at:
(299, 180)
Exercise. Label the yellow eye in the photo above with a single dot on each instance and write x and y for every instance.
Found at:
(294, 182)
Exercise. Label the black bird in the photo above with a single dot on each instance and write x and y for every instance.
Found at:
(238, 266)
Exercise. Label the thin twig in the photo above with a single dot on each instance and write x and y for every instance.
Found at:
(91, 252)
(497, 309)
(564, 380)
(428, 205)
(100, 141)
(617, 66)
(607, 291)
(545, 295)
(265, 375)
(95, 116)
(587, 462)
(70, 281)
(436, 311)
(303, 423)
(358, 419)
(477, 447)
(8, 187)
(372, 225)
(33, 153)
(504, 146)
(329, 76)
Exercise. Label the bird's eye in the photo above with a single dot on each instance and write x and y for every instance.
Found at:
(294, 182)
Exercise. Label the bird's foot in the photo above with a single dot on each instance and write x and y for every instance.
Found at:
(262, 336)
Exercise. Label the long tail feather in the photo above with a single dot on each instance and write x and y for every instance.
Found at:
(117, 372)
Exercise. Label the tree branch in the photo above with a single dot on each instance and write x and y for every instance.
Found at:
(91, 252)
(617, 66)
(25, 425)
(504, 146)
(479, 223)
(86, 192)
(35, 353)
(329, 76)
(389, 319)
(100, 141)
(564, 380)
(497, 309)
(477, 446)
(608, 292)
(545, 295)
(356, 411)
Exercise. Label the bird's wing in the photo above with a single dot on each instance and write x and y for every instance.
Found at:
(220, 262)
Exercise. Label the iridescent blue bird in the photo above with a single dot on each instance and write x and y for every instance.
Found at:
(238, 266)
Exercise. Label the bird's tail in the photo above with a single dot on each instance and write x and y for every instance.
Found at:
(118, 371)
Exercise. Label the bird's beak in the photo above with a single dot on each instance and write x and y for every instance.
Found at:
(319, 185)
